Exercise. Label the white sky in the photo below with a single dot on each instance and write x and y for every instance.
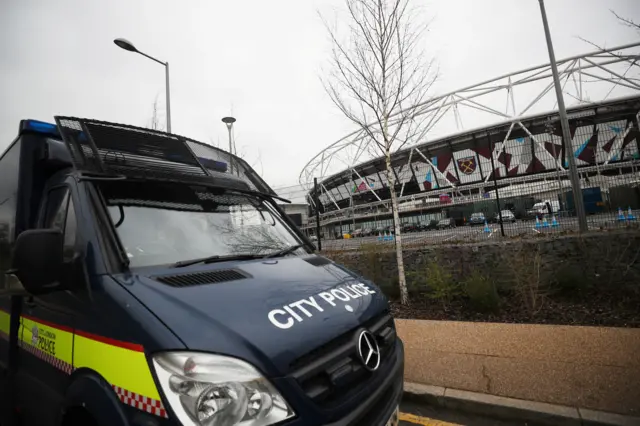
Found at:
(258, 60)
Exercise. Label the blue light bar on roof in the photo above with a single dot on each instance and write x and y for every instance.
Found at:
(217, 166)
(39, 127)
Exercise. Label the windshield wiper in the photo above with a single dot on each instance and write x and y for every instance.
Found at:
(217, 258)
(285, 251)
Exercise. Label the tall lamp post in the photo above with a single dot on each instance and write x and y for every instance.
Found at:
(566, 133)
(229, 122)
(127, 45)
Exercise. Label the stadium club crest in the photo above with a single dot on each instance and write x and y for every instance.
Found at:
(467, 165)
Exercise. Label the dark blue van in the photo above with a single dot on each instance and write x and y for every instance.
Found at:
(149, 279)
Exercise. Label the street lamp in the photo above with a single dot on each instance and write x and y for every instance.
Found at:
(566, 133)
(229, 122)
(127, 45)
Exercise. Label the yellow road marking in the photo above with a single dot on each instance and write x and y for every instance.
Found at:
(424, 421)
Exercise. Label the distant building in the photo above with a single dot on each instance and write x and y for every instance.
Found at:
(299, 213)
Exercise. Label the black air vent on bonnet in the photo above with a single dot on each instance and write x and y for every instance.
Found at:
(201, 278)
(317, 261)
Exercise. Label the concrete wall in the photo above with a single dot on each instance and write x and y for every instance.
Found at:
(603, 259)
(589, 367)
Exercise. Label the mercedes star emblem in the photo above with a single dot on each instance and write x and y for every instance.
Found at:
(368, 350)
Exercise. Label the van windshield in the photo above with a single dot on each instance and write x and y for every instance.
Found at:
(165, 224)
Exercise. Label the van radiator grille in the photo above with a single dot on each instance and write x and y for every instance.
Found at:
(333, 373)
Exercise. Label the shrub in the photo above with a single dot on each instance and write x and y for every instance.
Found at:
(482, 293)
(570, 281)
(372, 265)
(528, 280)
(434, 282)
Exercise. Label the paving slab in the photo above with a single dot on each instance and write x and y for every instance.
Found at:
(538, 413)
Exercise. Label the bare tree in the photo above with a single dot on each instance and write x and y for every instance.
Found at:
(628, 23)
(257, 240)
(250, 238)
(155, 122)
(378, 78)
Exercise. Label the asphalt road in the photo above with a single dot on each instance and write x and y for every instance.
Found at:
(479, 233)
(412, 414)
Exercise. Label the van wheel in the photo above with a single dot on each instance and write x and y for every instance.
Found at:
(78, 416)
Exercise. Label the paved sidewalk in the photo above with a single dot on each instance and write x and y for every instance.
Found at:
(592, 367)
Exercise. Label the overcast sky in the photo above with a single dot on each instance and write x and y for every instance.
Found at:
(258, 60)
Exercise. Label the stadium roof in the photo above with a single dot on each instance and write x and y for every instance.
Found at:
(597, 86)
(487, 137)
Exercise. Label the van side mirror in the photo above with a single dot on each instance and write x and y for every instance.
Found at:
(37, 260)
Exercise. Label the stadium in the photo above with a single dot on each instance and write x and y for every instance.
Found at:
(492, 146)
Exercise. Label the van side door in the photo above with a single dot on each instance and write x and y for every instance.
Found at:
(48, 322)
(9, 170)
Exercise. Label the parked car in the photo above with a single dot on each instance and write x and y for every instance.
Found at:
(507, 216)
(477, 219)
(367, 232)
(433, 224)
(545, 205)
(410, 227)
(448, 223)
(541, 209)
(357, 233)
(531, 214)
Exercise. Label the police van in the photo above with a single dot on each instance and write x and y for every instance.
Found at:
(149, 279)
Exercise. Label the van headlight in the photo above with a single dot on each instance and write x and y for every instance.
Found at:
(214, 390)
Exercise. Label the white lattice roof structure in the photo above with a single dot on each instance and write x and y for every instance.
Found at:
(506, 127)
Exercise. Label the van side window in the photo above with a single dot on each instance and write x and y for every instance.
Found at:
(56, 211)
(60, 214)
(70, 232)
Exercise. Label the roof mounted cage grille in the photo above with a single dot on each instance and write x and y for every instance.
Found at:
(110, 149)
